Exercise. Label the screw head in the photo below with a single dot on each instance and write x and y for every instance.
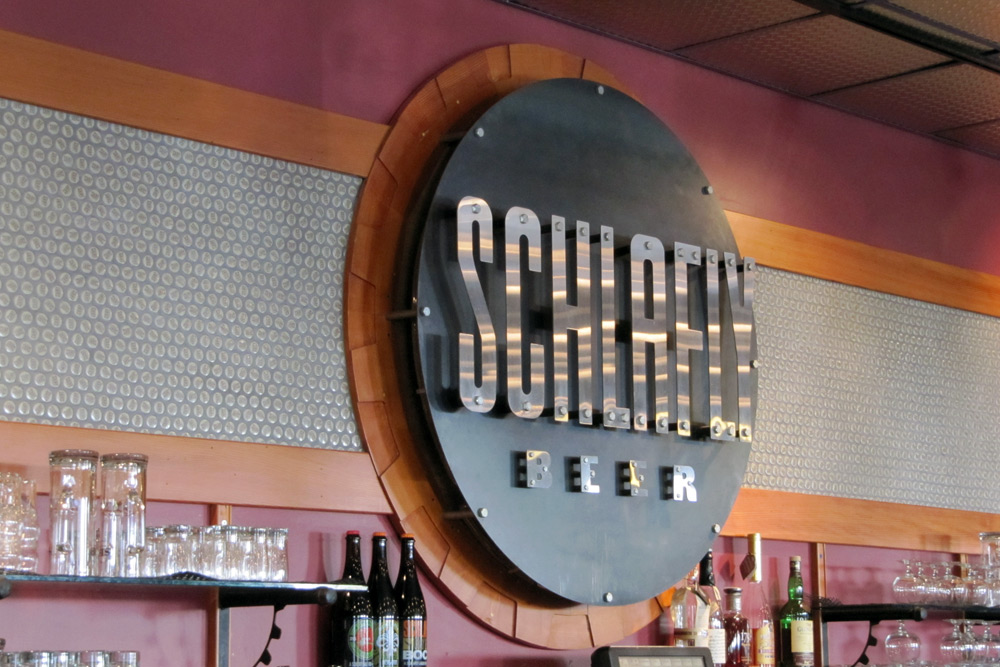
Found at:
(707, 190)
(475, 208)
(522, 218)
(755, 363)
(608, 597)
(600, 90)
(716, 528)
(425, 311)
(482, 512)
(480, 132)
(685, 425)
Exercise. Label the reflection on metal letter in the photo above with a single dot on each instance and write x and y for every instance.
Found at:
(587, 475)
(522, 223)
(477, 383)
(575, 317)
(741, 311)
(649, 333)
(719, 429)
(688, 340)
(635, 475)
(614, 416)
(538, 469)
(680, 484)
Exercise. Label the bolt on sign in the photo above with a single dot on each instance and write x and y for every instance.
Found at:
(585, 344)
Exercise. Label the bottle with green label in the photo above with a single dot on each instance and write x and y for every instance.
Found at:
(353, 637)
(385, 618)
(796, 644)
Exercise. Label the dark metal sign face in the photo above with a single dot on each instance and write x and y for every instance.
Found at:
(585, 342)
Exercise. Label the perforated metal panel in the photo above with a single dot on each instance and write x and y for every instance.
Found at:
(975, 17)
(867, 395)
(840, 54)
(154, 284)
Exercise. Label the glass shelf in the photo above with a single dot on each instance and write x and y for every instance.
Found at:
(231, 593)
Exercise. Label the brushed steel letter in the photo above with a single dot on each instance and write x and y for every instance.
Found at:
(481, 396)
(575, 317)
(525, 403)
(649, 333)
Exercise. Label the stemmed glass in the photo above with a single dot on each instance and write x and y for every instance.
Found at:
(958, 647)
(908, 588)
(901, 646)
(951, 584)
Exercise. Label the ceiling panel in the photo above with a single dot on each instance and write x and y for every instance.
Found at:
(985, 136)
(666, 25)
(927, 101)
(976, 18)
(813, 55)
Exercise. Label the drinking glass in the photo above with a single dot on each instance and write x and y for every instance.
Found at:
(152, 556)
(211, 560)
(977, 586)
(125, 659)
(277, 554)
(958, 646)
(991, 642)
(73, 475)
(908, 588)
(176, 549)
(990, 544)
(123, 514)
(29, 527)
(95, 659)
(10, 521)
(934, 592)
(951, 583)
(901, 646)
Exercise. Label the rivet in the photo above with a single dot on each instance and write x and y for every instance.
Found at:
(480, 132)
(716, 528)
(685, 425)
(647, 245)
(559, 226)
(563, 410)
(680, 252)
(612, 416)
(731, 261)
(694, 255)
(531, 482)
(664, 423)
(755, 363)
(475, 208)
(425, 311)
(482, 512)
(478, 400)
(713, 258)
(640, 420)
(582, 231)
(607, 236)
(731, 430)
(587, 413)
(717, 428)
(707, 190)
(526, 406)
(750, 266)
(600, 90)
(745, 432)
(608, 597)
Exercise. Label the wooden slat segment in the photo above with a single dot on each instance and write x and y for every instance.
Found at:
(213, 472)
(800, 517)
(85, 83)
(839, 260)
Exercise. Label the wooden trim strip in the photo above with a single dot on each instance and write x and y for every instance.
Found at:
(213, 472)
(799, 517)
(839, 260)
(85, 83)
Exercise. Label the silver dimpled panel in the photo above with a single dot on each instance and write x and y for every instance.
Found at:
(159, 285)
(872, 396)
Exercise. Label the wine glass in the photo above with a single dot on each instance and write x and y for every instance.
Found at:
(957, 646)
(901, 646)
(950, 584)
(991, 640)
(908, 588)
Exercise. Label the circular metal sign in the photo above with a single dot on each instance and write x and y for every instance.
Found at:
(585, 341)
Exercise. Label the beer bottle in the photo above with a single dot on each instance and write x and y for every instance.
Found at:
(412, 609)
(384, 613)
(353, 640)
(796, 629)
(716, 630)
(757, 606)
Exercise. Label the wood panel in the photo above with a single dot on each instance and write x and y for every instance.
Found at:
(80, 82)
(213, 472)
(839, 260)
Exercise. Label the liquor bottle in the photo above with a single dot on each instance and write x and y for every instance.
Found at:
(353, 640)
(737, 630)
(716, 629)
(412, 609)
(796, 629)
(385, 619)
(757, 606)
(689, 613)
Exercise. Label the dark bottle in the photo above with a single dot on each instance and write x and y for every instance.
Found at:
(716, 628)
(737, 630)
(795, 644)
(353, 640)
(385, 618)
(411, 607)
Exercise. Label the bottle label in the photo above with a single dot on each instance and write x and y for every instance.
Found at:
(361, 642)
(717, 645)
(413, 642)
(802, 643)
(386, 652)
(763, 646)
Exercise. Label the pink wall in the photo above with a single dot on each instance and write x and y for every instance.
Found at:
(768, 154)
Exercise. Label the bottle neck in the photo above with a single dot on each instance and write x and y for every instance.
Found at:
(352, 563)
(706, 575)
(795, 587)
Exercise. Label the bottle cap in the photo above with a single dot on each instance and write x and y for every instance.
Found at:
(378, 534)
(354, 532)
(406, 536)
(796, 559)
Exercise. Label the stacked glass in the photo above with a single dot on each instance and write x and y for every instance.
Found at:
(18, 524)
(70, 659)
(237, 553)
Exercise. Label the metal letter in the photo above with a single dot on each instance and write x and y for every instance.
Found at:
(688, 340)
(614, 416)
(718, 428)
(538, 466)
(527, 404)
(680, 484)
(481, 396)
(634, 473)
(741, 312)
(587, 473)
(568, 317)
(649, 333)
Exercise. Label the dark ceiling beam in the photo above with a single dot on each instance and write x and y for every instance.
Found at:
(917, 30)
